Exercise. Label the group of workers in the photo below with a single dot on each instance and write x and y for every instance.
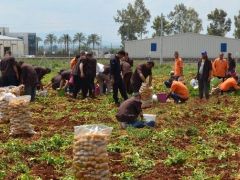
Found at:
(116, 76)
(223, 69)
(130, 111)
(119, 76)
(14, 73)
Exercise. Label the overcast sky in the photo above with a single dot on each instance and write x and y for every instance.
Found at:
(93, 16)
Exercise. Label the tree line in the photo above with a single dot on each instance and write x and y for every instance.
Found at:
(134, 19)
(79, 42)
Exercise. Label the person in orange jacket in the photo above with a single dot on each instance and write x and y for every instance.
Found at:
(74, 61)
(179, 91)
(178, 66)
(220, 67)
(229, 85)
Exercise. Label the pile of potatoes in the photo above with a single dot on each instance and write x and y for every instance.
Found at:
(16, 90)
(90, 157)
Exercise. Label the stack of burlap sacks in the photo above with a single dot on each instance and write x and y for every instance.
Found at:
(90, 157)
(146, 92)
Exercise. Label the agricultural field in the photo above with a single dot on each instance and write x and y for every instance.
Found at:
(195, 140)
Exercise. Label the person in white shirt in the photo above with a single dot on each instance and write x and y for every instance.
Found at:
(103, 78)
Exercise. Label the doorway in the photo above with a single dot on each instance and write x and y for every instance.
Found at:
(6, 49)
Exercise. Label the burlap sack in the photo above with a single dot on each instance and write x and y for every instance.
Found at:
(90, 157)
(20, 116)
(146, 95)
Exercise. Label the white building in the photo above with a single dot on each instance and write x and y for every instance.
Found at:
(15, 45)
(29, 39)
(189, 45)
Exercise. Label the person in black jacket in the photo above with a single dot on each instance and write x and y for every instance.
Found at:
(9, 70)
(115, 73)
(41, 72)
(204, 75)
(88, 74)
(29, 79)
(76, 72)
(231, 66)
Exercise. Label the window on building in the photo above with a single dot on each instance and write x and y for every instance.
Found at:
(223, 47)
(32, 44)
(153, 47)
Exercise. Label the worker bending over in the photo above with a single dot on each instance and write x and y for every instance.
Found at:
(129, 112)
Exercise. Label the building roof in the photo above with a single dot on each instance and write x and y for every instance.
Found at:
(186, 34)
(198, 34)
(9, 38)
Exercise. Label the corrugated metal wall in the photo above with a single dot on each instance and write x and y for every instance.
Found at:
(189, 45)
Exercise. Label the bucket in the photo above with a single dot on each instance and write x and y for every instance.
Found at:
(61, 92)
(149, 117)
(97, 90)
(162, 97)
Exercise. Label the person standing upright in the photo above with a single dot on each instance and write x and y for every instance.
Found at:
(77, 75)
(178, 66)
(126, 66)
(231, 66)
(74, 61)
(88, 74)
(204, 74)
(128, 59)
(220, 67)
(115, 73)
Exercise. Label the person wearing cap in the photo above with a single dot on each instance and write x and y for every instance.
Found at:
(116, 77)
(178, 66)
(130, 111)
(204, 75)
(220, 67)
(179, 91)
(231, 66)
(142, 72)
(229, 85)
